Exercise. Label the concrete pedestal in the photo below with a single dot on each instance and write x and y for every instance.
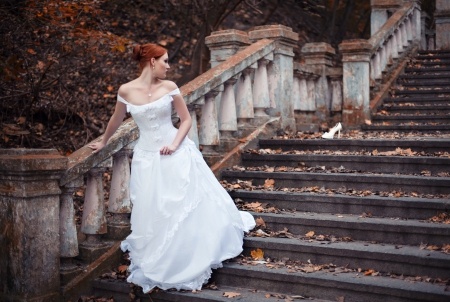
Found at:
(442, 16)
(29, 224)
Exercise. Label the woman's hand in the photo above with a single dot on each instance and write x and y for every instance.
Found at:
(96, 146)
(167, 150)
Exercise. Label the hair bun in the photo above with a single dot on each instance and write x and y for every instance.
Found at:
(137, 53)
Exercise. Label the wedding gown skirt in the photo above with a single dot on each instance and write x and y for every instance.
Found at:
(183, 222)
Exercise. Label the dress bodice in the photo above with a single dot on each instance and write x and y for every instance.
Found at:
(154, 122)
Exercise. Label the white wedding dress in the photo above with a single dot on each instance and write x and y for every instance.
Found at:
(183, 222)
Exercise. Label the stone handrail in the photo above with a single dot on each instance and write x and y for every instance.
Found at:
(236, 115)
(393, 39)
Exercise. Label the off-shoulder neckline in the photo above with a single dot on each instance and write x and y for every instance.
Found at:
(128, 103)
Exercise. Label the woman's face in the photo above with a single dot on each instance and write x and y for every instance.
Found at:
(161, 66)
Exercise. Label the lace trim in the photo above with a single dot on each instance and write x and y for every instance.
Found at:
(194, 284)
(156, 104)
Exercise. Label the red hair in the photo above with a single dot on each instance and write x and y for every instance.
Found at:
(144, 53)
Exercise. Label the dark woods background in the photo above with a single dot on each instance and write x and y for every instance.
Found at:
(61, 62)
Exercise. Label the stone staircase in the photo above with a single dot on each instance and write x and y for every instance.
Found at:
(344, 219)
(421, 99)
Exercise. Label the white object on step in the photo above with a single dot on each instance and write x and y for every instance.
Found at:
(330, 134)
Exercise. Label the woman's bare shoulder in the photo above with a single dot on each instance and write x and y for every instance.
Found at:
(169, 85)
(124, 89)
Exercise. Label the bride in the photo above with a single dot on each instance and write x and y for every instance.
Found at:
(183, 222)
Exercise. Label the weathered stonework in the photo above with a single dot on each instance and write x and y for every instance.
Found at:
(280, 73)
(442, 16)
(319, 56)
(356, 85)
(29, 224)
(381, 9)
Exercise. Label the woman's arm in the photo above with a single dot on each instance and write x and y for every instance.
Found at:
(186, 123)
(114, 123)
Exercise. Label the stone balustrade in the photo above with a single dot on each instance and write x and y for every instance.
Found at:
(368, 63)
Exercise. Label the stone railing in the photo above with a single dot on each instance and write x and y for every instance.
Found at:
(248, 85)
(374, 63)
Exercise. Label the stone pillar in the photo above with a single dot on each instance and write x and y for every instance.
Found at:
(319, 56)
(93, 222)
(381, 10)
(356, 90)
(119, 203)
(244, 103)
(209, 129)
(193, 132)
(222, 45)
(442, 16)
(261, 98)
(68, 232)
(282, 72)
(424, 20)
(227, 116)
(29, 224)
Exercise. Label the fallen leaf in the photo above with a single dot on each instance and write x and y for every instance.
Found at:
(260, 222)
(309, 234)
(31, 51)
(267, 295)
(21, 120)
(122, 268)
(369, 272)
(269, 183)
(231, 294)
(257, 254)
(368, 122)
(340, 299)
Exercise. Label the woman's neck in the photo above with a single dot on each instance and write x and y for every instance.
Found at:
(147, 78)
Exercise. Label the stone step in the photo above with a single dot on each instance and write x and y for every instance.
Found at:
(424, 83)
(419, 144)
(416, 118)
(432, 70)
(422, 100)
(386, 258)
(403, 207)
(120, 290)
(408, 128)
(431, 61)
(338, 286)
(421, 77)
(364, 163)
(433, 57)
(434, 52)
(356, 181)
(431, 91)
(419, 109)
(384, 230)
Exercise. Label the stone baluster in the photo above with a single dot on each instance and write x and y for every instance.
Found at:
(356, 85)
(417, 27)
(227, 116)
(68, 230)
(394, 48)
(318, 56)
(380, 10)
(409, 32)
(424, 20)
(383, 61)
(261, 100)
(389, 58)
(336, 93)
(404, 35)
(378, 64)
(244, 99)
(281, 71)
(94, 223)
(373, 70)
(209, 128)
(311, 92)
(193, 132)
(296, 94)
(400, 49)
(442, 16)
(119, 203)
(29, 224)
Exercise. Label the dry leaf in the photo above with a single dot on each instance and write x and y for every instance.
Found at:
(267, 295)
(31, 51)
(122, 268)
(231, 294)
(21, 120)
(110, 88)
(257, 254)
(269, 183)
(340, 299)
(368, 122)
(369, 272)
(433, 247)
(260, 222)
(309, 234)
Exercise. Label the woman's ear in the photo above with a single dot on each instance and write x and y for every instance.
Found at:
(152, 62)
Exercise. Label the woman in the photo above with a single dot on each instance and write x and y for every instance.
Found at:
(183, 222)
